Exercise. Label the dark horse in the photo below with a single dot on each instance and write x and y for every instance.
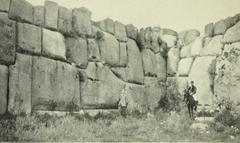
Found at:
(190, 102)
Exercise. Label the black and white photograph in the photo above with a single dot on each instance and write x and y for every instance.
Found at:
(120, 71)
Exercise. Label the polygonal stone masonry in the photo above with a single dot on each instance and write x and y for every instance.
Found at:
(21, 10)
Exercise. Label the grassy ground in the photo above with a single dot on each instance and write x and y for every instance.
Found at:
(161, 127)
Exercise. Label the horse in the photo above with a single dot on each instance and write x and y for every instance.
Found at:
(190, 102)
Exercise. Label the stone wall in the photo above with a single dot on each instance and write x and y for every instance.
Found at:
(58, 59)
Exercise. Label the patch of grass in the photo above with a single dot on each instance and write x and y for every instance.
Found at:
(172, 126)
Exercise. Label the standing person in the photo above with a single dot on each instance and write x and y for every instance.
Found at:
(123, 102)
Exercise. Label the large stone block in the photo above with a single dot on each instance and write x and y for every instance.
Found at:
(55, 85)
(120, 31)
(220, 27)
(141, 39)
(64, 20)
(7, 42)
(93, 50)
(149, 63)
(156, 39)
(38, 15)
(53, 44)
(120, 72)
(184, 66)
(91, 71)
(136, 98)
(161, 67)
(190, 36)
(153, 91)
(132, 31)
(123, 57)
(135, 65)
(20, 82)
(109, 49)
(202, 73)
(106, 25)
(101, 94)
(167, 31)
(51, 15)
(29, 38)
(4, 5)
(182, 83)
(3, 88)
(209, 29)
(82, 21)
(170, 40)
(77, 51)
(172, 61)
(21, 10)
(186, 51)
(232, 35)
(227, 82)
(214, 47)
(196, 46)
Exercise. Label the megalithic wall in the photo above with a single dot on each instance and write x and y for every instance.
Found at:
(56, 59)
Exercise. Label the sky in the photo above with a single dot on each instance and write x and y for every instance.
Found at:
(178, 15)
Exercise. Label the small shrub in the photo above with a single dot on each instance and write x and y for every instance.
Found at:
(172, 100)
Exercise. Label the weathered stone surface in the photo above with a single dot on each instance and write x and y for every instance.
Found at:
(38, 15)
(93, 50)
(184, 66)
(120, 73)
(77, 51)
(167, 31)
(53, 44)
(136, 98)
(51, 15)
(156, 39)
(7, 42)
(29, 38)
(153, 92)
(91, 71)
(202, 74)
(182, 83)
(220, 27)
(230, 21)
(206, 41)
(90, 94)
(214, 47)
(64, 20)
(103, 95)
(227, 83)
(132, 31)
(170, 40)
(4, 5)
(20, 81)
(21, 10)
(55, 85)
(123, 57)
(190, 36)
(120, 31)
(181, 36)
(233, 34)
(172, 61)
(149, 63)
(186, 51)
(141, 39)
(197, 46)
(209, 29)
(161, 67)
(109, 49)
(135, 66)
(106, 25)
(3, 88)
(82, 21)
